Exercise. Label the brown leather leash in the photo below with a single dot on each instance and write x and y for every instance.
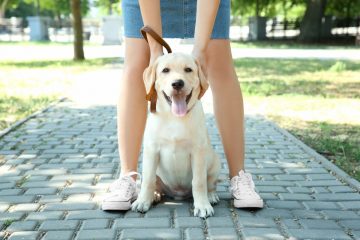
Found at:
(152, 95)
(153, 34)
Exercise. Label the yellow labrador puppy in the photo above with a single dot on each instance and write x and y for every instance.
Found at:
(178, 159)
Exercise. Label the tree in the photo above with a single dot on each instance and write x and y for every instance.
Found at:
(109, 6)
(5, 4)
(310, 26)
(78, 30)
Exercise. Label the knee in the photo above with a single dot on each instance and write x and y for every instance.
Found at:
(135, 67)
(133, 70)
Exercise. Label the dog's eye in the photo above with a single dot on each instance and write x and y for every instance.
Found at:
(188, 69)
(166, 70)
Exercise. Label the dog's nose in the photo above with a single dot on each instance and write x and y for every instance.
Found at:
(178, 84)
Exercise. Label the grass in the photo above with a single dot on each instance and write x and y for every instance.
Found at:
(8, 222)
(278, 44)
(43, 64)
(317, 101)
(42, 43)
(28, 86)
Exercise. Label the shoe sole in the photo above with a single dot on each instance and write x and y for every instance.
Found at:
(258, 203)
(116, 206)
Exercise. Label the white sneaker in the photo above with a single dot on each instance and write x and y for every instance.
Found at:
(122, 193)
(243, 190)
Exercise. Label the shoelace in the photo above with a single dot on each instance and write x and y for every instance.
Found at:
(123, 186)
(244, 186)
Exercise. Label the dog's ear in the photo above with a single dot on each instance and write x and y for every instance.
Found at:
(149, 77)
(204, 84)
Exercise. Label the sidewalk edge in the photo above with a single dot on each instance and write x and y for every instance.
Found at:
(18, 123)
(318, 157)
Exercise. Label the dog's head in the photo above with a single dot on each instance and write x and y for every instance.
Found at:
(177, 80)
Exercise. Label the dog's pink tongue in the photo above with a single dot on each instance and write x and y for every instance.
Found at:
(178, 105)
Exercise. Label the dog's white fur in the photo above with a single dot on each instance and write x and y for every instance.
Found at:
(178, 159)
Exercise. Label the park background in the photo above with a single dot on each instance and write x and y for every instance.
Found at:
(297, 63)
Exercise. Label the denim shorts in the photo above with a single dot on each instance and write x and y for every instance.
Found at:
(177, 17)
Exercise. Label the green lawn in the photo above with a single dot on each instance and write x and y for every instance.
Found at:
(316, 100)
(289, 44)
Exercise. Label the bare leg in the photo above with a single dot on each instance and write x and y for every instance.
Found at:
(132, 106)
(228, 102)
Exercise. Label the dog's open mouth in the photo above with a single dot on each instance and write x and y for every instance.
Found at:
(178, 103)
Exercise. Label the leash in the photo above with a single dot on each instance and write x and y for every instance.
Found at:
(152, 95)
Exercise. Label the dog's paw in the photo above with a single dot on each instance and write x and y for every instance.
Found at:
(213, 197)
(203, 210)
(141, 205)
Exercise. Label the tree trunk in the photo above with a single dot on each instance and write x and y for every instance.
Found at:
(78, 30)
(3, 8)
(310, 27)
(257, 8)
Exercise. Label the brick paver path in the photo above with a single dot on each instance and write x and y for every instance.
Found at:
(55, 168)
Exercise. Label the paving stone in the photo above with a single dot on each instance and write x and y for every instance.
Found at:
(58, 235)
(341, 189)
(151, 233)
(142, 222)
(25, 207)
(91, 214)
(158, 212)
(351, 224)
(95, 224)
(194, 234)
(24, 235)
(274, 213)
(307, 214)
(319, 205)
(181, 222)
(222, 233)
(17, 199)
(7, 192)
(11, 216)
(40, 191)
(262, 233)
(22, 226)
(256, 222)
(337, 197)
(318, 234)
(69, 206)
(319, 224)
(59, 225)
(96, 234)
(350, 205)
(300, 190)
(41, 216)
(340, 215)
(295, 196)
(215, 222)
(4, 207)
(280, 204)
(356, 234)
(290, 223)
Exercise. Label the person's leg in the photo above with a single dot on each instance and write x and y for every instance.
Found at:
(132, 106)
(131, 119)
(229, 113)
(228, 102)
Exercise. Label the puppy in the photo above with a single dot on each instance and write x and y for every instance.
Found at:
(178, 159)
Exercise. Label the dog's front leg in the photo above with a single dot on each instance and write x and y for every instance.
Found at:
(148, 185)
(202, 206)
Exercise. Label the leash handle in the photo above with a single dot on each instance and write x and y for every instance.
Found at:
(153, 34)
